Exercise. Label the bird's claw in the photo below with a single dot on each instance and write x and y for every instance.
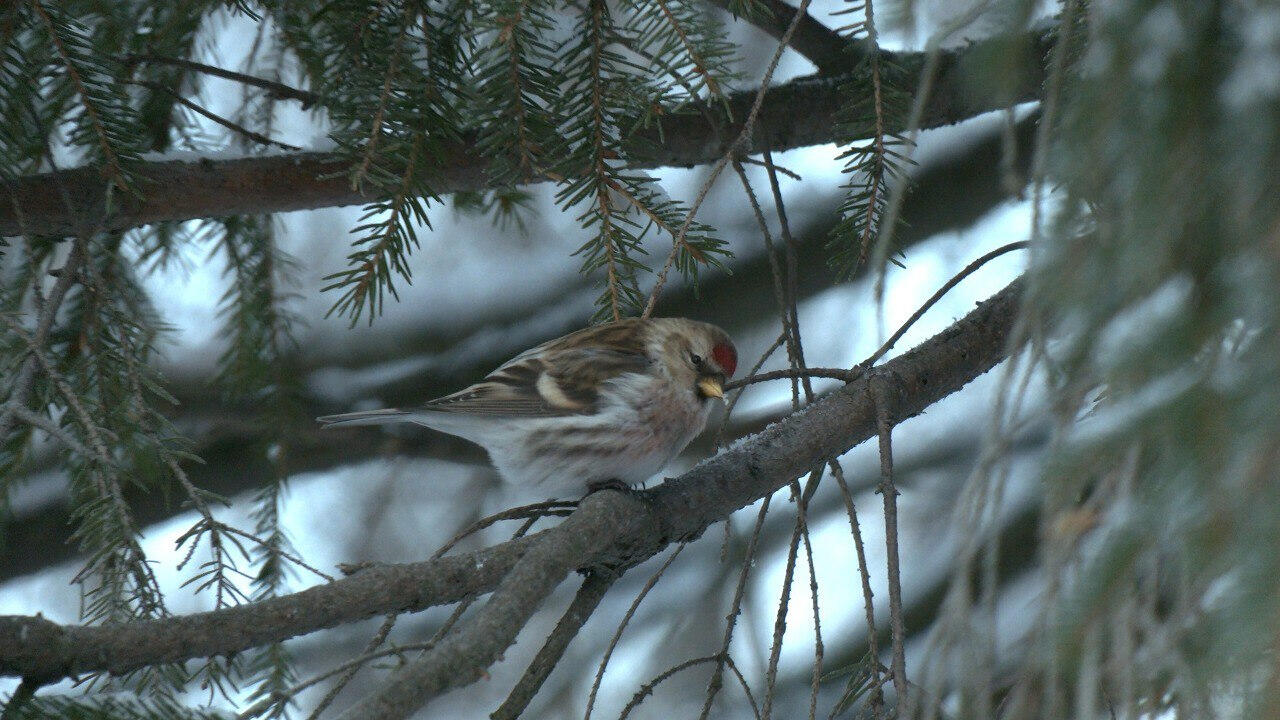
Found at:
(610, 484)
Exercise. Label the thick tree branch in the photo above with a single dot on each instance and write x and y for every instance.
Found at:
(610, 530)
(183, 190)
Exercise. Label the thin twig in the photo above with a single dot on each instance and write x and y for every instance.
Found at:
(282, 553)
(534, 511)
(585, 602)
(55, 431)
(374, 643)
(769, 163)
(779, 291)
(859, 369)
(22, 385)
(275, 90)
(747, 127)
(877, 692)
(880, 390)
(924, 88)
(735, 607)
(819, 651)
(780, 620)
(956, 279)
(208, 114)
(792, 263)
(622, 625)
(355, 663)
(647, 689)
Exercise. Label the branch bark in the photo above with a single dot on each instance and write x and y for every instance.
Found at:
(38, 648)
(182, 190)
(609, 530)
(819, 44)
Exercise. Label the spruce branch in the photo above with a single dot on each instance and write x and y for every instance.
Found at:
(274, 90)
(607, 529)
(734, 148)
(819, 44)
(103, 114)
(22, 385)
(202, 187)
(37, 537)
(209, 115)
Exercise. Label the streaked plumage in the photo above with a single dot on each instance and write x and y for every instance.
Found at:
(616, 401)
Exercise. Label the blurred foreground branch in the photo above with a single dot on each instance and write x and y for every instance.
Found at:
(608, 530)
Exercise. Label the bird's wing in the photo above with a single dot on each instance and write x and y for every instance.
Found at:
(560, 377)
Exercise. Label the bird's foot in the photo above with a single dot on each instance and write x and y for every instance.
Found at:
(610, 484)
(618, 486)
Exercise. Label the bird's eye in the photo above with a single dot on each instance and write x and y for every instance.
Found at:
(696, 359)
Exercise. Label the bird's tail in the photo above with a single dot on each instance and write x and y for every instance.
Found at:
(366, 417)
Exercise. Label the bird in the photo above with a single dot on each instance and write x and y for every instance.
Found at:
(606, 406)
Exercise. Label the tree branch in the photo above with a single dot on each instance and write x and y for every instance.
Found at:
(819, 44)
(948, 194)
(580, 610)
(609, 531)
(34, 647)
(181, 190)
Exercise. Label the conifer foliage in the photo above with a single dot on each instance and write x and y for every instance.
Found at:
(1146, 341)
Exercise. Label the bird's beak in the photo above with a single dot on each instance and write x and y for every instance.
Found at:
(711, 387)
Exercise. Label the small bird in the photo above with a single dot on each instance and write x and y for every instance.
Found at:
(607, 405)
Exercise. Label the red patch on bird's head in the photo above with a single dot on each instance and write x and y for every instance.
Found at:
(726, 357)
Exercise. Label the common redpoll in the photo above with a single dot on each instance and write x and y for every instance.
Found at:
(613, 402)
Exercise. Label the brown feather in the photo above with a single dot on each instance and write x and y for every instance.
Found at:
(577, 364)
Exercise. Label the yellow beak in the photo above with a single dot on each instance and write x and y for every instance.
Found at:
(711, 387)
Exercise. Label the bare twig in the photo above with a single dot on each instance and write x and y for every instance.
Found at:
(859, 370)
(789, 173)
(374, 643)
(735, 607)
(730, 153)
(956, 279)
(780, 619)
(864, 572)
(647, 689)
(210, 115)
(880, 389)
(819, 650)
(584, 603)
(275, 90)
(534, 511)
(622, 625)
